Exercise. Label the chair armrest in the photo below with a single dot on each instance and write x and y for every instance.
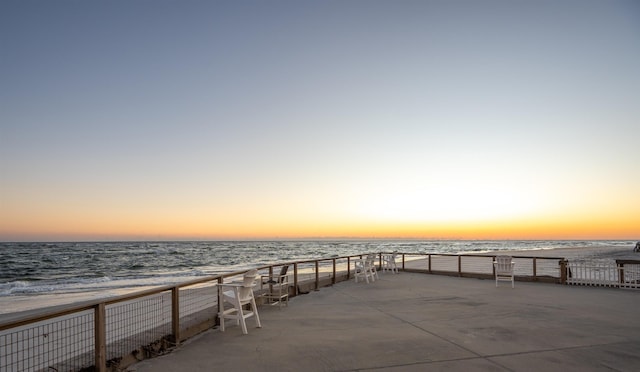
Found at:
(273, 279)
(231, 285)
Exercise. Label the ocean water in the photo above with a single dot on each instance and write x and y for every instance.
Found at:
(32, 269)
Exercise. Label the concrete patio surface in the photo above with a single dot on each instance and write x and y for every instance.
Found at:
(421, 322)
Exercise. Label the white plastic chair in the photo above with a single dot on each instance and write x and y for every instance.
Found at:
(389, 263)
(371, 265)
(503, 267)
(362, 270)
(238, 295)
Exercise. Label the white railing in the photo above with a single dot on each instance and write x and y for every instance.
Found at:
(620, 274)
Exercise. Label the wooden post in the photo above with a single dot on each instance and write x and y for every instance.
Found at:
(620, 271)
(620, 264)
(459, 265)
(429, 263)
(348, 267)
(494, 267)
(295, 278)
(563, 271)
(333, 280)
(535, 270)
(403, 261)
(100, 335)
(220, 281)
(175, 314)
(317, 275)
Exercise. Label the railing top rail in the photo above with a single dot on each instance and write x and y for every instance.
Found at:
(480, 255)
(312, 260)
(634, 262)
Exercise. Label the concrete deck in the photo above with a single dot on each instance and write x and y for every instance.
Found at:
(419, 322)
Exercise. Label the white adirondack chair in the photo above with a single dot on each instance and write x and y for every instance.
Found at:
(238, 295)
(503, 267)
(389, 263)
(361, 270)
(371, 265)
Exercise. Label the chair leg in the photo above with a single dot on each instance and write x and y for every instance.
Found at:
(254, 308)
(241, 320)
(370, 271)
(221, 313)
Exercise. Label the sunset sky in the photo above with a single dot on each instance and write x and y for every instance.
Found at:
(129, 120)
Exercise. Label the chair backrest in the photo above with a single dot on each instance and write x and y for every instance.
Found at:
(245, 293)
(249, 279)
(283, 270)
(503, 263)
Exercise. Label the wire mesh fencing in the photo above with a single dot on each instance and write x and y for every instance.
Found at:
(65, 343)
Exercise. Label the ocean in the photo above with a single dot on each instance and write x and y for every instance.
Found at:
(29, 270)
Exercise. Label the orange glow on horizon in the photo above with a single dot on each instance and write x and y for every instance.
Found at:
(252, 229)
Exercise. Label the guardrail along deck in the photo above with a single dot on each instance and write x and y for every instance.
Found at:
(112, 333)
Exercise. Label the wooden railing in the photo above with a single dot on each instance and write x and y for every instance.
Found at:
(112, 333)
(527, 268)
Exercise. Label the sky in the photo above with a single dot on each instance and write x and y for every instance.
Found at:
(451, 119)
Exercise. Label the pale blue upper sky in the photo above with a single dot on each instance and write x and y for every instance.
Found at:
(347, 110)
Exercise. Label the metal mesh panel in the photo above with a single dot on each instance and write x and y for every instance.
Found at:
(341, 267)
(444, 263)
(547, 267)
(416, 262)
(325, 268)
(137, 323)
(306, 272)
(477, 264)
(198, 304)
(523, 266)
(63, 343)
